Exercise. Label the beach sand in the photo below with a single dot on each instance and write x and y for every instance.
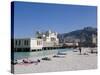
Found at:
(71, 61)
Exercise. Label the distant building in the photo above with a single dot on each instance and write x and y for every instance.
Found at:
(94, 39)
(71, 44)
(71, 41)
(42, 39)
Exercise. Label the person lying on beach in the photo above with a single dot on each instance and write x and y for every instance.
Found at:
(38, 60)
(30, 61)
(26, 61)
(58, 56)
(46, 58)
(80, 50)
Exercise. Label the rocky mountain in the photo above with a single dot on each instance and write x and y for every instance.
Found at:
(85, 35)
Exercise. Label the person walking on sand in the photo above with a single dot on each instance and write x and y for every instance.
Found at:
(80, 50)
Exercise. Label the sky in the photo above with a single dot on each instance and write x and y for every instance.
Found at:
(61, 18)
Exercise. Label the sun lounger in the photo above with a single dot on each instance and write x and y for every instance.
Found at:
(60, 53)
(58, 56)
(46, 58)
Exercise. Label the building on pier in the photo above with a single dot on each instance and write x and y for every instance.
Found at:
(41, 40)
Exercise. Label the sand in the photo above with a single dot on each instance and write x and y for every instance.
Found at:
(71, 61)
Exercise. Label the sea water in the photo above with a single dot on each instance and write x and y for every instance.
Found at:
(21, 55)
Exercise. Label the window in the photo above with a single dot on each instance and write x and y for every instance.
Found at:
(39, 42)
(19, 42)
(52, 39)
(25, 42)
(16, 42)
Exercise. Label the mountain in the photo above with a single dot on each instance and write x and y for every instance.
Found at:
(84, 34)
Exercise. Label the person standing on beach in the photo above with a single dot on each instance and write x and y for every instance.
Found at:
(80, 50)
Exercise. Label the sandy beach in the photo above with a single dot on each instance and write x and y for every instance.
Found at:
(71, 61)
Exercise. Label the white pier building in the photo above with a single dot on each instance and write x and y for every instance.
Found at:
(42, 39)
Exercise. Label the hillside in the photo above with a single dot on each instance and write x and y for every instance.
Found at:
(84, 34)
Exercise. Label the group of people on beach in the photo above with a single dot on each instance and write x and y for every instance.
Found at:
(28, 61)
(25, 61)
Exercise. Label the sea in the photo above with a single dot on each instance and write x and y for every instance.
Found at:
(22, 55)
